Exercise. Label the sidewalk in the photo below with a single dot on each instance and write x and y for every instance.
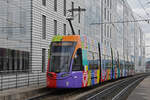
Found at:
(142, 91)
(22, 93)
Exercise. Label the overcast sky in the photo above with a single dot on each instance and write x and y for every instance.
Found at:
(141, 9)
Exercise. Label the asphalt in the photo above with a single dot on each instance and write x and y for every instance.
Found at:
(142, 91)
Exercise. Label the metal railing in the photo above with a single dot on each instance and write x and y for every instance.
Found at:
(19, 78)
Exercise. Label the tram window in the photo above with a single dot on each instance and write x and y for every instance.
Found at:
(90, 64)
(77, 63)
(109, 61)
(93, 62)
(95, 65)
(90, 60)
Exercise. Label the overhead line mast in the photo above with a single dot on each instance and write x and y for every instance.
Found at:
(72, 16)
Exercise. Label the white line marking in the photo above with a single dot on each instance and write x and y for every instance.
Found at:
(114, 98)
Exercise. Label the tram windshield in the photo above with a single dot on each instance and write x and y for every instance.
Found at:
(60, 56)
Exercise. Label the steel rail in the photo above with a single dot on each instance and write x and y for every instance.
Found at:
(124, 81)
(125, 89)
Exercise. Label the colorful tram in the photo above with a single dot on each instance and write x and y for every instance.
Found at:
(76, 61)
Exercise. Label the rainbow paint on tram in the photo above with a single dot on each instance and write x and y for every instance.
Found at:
(76, 61)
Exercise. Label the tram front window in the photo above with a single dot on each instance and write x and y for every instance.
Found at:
(60, 56)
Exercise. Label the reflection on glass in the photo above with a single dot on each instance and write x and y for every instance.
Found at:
(61, 54)
(15, 34)
(13, 60)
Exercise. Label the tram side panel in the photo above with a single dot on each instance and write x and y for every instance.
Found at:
(90, 61)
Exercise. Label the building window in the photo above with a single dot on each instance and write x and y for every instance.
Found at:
(108, 3)
(105, 13)
(44, 2)
(79, 32)
(105, 30)
(55, 5)
(110, 18)
(102, 33)
(55, 27)
(43, 59)
(108, 15)
(64, 7)
(64, 29)
(43, 27)
(105, 42)
(108, 31)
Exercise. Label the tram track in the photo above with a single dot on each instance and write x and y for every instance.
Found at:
(115, 92)
(102, 92)
(122, 92)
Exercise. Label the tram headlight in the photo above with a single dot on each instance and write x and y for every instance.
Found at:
(65, 75)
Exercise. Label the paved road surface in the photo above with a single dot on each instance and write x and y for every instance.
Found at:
(142, 91)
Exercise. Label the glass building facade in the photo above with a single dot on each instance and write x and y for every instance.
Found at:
(92, 16)
(128, 35)
(15, 34)
(120, 28)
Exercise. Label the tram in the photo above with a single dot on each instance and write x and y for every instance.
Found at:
(76, 61)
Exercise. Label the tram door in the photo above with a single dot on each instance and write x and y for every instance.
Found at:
(99, 49)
